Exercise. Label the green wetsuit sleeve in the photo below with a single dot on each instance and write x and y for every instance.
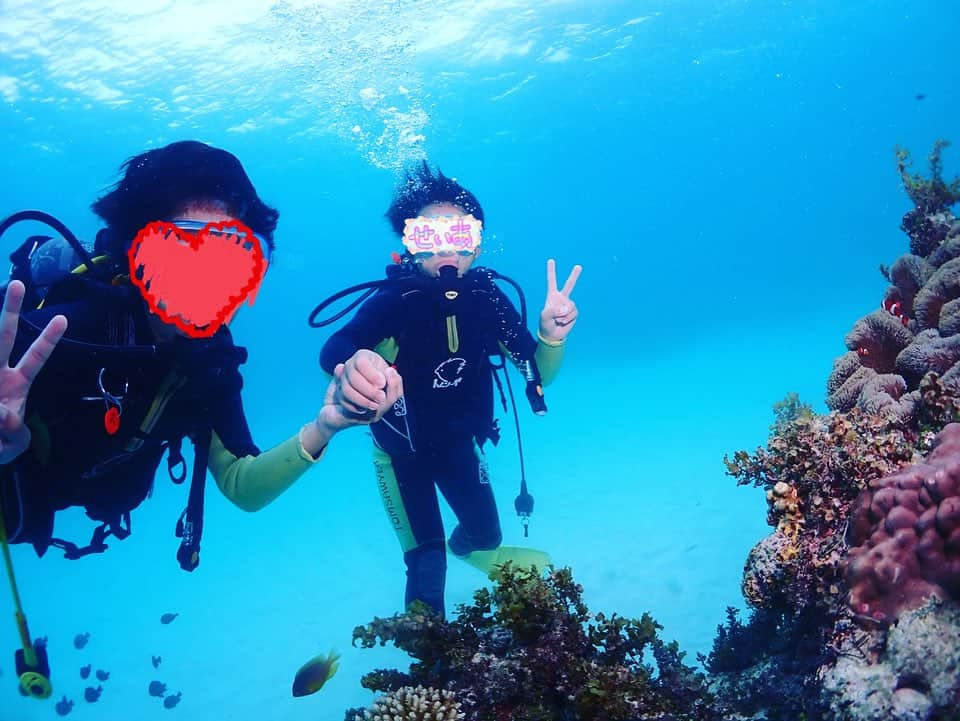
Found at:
(252, 482)
(549, 359)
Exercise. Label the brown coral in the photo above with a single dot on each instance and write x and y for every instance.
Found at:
(878, 338)
(785, 505)
(929, 352)
(949, 247)
(846, 381)
(943, 286)
(908, 275)
(766, 571)
(884, 395)
(813, 469)
(905, 535)
(950, 318)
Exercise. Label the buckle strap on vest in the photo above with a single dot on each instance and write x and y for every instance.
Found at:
(190, 524)
(119, 528)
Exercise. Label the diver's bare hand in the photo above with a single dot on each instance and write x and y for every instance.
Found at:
(364, 383)
(362, 390)
(15, 382)
(559, 311)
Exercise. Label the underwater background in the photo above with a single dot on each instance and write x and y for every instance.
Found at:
(724, 172)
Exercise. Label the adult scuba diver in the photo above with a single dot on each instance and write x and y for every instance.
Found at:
(125, 384)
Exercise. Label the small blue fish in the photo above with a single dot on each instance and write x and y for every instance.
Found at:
(102, 675)
(315, 673)
(168, 618)
(157, 689)
(92, 694)
(64, 706)
(156, 661)
(81, 640)
(172, 700)
(85, 671)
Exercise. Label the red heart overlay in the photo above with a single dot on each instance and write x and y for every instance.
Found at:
(200, 278)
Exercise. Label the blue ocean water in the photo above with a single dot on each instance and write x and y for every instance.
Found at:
(724, 172)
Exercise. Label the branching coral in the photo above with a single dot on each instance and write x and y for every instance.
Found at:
(530, 649)
(415, 703)
(813, 468)
(931, 196)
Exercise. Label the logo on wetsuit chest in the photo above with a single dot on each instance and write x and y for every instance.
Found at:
(449, 373)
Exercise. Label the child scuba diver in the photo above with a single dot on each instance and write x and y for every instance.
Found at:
(437, 322)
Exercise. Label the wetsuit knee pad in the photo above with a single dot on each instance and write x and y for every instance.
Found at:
(427, 574)
(461, 543)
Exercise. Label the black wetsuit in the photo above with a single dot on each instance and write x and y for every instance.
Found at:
(73, 460)
(440, 335)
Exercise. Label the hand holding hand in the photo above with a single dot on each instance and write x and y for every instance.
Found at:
(362, 390)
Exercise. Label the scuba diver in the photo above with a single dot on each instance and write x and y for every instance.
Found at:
(437, 321)
(106, 381)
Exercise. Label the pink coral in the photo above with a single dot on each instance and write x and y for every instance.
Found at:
(905, 535)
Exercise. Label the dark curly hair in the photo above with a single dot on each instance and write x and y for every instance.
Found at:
(421, 188)
(157, 183)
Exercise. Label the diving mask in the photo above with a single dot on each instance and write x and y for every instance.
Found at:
(454, 234)
(227, 228)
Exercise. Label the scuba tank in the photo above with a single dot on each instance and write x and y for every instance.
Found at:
(42, 260)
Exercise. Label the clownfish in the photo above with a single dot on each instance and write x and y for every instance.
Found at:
(894, 308)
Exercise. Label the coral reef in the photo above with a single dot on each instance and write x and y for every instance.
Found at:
(905, 535)
(813, 469)
(529, 648)
(764, 669)
(917, 328)
(927, 224)
(915, 676)
(414, 703)
(854, 596)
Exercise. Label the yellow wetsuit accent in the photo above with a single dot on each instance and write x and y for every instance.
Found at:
(548, 358)
(389, 491)
(388, 349)
(251, 482)
(490, 561)
(453, 335)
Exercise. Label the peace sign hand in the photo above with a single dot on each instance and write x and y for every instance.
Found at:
(15, 382)
(559, 311)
